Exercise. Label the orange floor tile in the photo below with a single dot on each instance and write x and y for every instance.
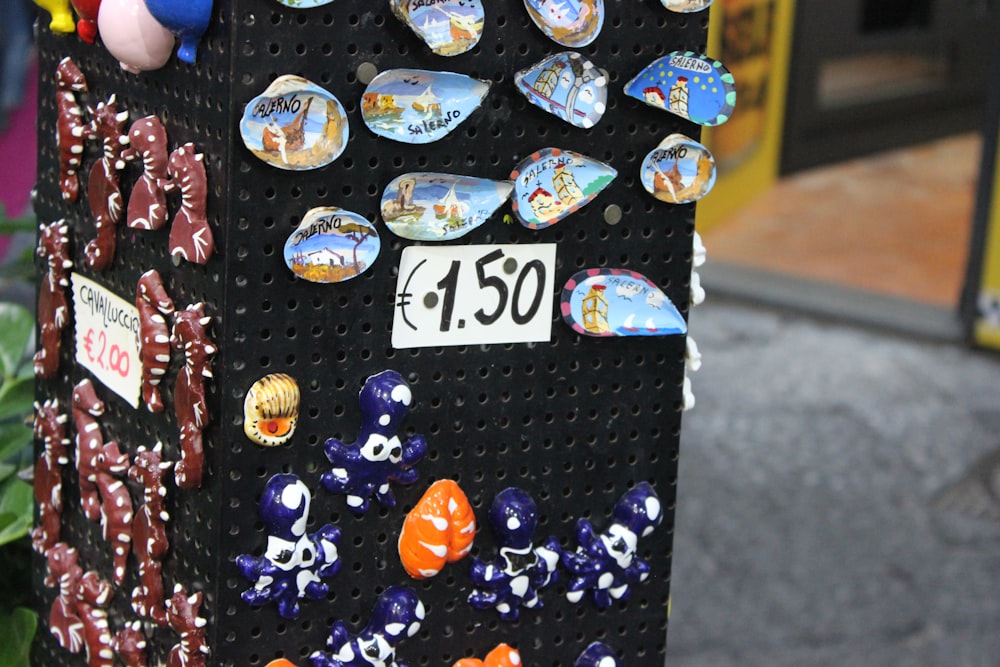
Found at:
(896, 223)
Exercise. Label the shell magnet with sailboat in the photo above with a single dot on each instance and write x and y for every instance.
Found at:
(295, 125)
(440, 207)
(448, 27)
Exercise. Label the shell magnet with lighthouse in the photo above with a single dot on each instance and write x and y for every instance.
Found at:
(617, 302)
(552, 183)
(331, 245)
(688, 85)
(295, 125)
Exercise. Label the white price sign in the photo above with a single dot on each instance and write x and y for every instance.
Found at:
(107, 337)
(474, 294)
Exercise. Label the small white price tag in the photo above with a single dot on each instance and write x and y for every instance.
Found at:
(474, 294)
(107, 337)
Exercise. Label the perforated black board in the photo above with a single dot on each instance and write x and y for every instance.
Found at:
(574, 421)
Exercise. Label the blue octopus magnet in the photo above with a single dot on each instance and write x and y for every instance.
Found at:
(568, 86)
(397, 614)
(295, 124)
(332, 245)
(618, 302)
(294, 563)
(605, 565)
(598, 654)
(188, 20)
(572, 23)
(678, 171)
(448, 27)
(366, 468)
(688, 85)
(551, 184)
(419, 106)
(440, 207)
(521, 570)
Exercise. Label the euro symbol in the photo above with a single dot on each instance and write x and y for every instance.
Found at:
(406, 294)
(88, 342)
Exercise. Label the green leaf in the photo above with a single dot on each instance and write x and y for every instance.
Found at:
(16, 325)
(6, 470)
(14, 437)
(16, 398)
(18, 630)
(16, 508)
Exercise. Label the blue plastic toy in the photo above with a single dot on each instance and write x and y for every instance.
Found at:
(188, 20)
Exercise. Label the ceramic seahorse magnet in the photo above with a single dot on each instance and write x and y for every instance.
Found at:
(182, 616)
(53, 305)
(440, 207)
(149, 532)
(448, 27)
(133, 36)
(686, 6)
(129, 644)
(190, 236)
(50, 430)
(87, 407)
(331, 245)
(295, 124)
(116, 505)
(271, 410)
(419, 106)
(618, 302)
(551, 184)
(294, 563)
(87, 10)
(63, 571)
(688, 85)
(147, 204)
(366, 468)
(568, 86)
(572, 23)
(103, 188)
(62, 17)
(502, 655)
(397, 614)
(71, 130)
(438, 530)
(154, 306)
(605, 565)
(190, 336)
(521, 570)
(598, 654)
(188, 20)
(678, 171)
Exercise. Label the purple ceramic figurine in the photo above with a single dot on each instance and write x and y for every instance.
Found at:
(294, 563)
(397, 615)
(377, 457)
(597, 654)
(606, 564)
(521, 570)
(188, 20)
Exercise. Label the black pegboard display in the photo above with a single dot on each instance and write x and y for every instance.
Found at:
(575, 421)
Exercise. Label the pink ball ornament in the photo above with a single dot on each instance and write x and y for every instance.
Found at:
(133, 36)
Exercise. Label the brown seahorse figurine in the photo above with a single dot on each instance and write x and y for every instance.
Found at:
(182, 614)
(53, 305)
(116, 505)
(189, 336)
(103, 188)
(89, 441)
(129, 644)
(71, 130)
(93, 596)
(147, 204)
(154, 306)
(190, 236)
(50, 429)
(149, 533)
(64, 572)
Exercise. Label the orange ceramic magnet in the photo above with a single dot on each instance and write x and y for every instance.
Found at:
(439, 529)
(501, 656)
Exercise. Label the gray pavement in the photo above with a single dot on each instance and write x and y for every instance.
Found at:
(838, 498)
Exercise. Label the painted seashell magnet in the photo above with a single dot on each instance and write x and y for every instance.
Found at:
(331, 245)
(440, 207)
(448, 27)
(686, 6)
(568, 86)
(618, 302)
(552, 183)
(271, 410)
(572, 23)
(679, 170)
(419, 106)
(304, 4)
(295, 125)
(688, 85)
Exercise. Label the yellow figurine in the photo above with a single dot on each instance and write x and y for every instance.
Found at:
(62, 17)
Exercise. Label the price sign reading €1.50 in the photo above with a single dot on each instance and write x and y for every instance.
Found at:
(107, 338)
(468, 295)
